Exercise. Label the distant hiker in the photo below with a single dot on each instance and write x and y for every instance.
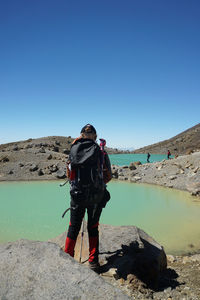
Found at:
(148, 156)
(168, 154)
(88, 170)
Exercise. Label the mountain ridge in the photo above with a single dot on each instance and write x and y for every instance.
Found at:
(182, 143)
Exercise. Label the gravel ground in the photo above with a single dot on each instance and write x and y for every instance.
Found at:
(181, 280)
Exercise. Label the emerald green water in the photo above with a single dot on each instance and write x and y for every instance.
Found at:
(33, 210)
(126, 159)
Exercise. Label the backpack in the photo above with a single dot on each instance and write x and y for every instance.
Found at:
(87, 185)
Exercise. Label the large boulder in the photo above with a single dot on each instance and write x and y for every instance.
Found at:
(41, 270)
(126, 249)
(130, 250)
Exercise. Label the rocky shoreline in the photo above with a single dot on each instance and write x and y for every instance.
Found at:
(45, 160)
(181, 173)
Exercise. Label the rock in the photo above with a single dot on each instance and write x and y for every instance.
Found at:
(4, 159)
(66, 151)
(49, 157)
(194, 188)
(53, 168)
(10, 172)
(132, 166)
(42, 150)
(55, 149)
(195, 257)
(41, 270)
(132, 251)
(40, 172)
(188, 165)
(129, 250)
(186, 259)
(172, 177)
(137, 178)
(189, 151)
(15, 148)
(171, 258)
(61, 174)
(29, 146)
(21, 165)
(120, 174)
(33, 168)
(137, 163)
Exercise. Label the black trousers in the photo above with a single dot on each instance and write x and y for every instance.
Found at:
(76, 217)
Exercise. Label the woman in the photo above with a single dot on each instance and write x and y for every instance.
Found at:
(88, 171)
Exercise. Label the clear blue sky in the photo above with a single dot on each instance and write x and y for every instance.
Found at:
(131, 68)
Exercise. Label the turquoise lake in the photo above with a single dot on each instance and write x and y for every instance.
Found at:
(33, 210)
(126, 159)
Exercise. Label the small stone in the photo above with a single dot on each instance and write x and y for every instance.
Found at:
(132, 166)
(124, 167)
(122, 281)
(186, 259)
(4, 159)
(168, 290)
(60, 174)
(171, 258)
(172, 177)
(53, 168)
(66, 151)
(49, 157)
(33, 168)
(40, 172)
(112, 272)
(42, 150)
(121, 174)
(56, 149)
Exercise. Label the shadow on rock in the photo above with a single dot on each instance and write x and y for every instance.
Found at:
(140, 267)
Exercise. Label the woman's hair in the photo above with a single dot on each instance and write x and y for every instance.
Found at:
(88, 131)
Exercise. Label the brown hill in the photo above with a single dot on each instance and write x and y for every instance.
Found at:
(56, 143)
(183, 143)
(35, 159)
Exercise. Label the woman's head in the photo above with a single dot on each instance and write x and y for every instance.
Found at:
(88, 131)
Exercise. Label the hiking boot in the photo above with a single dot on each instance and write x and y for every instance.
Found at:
(94, 266)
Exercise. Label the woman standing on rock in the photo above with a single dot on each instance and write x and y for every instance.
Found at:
(88, 171)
